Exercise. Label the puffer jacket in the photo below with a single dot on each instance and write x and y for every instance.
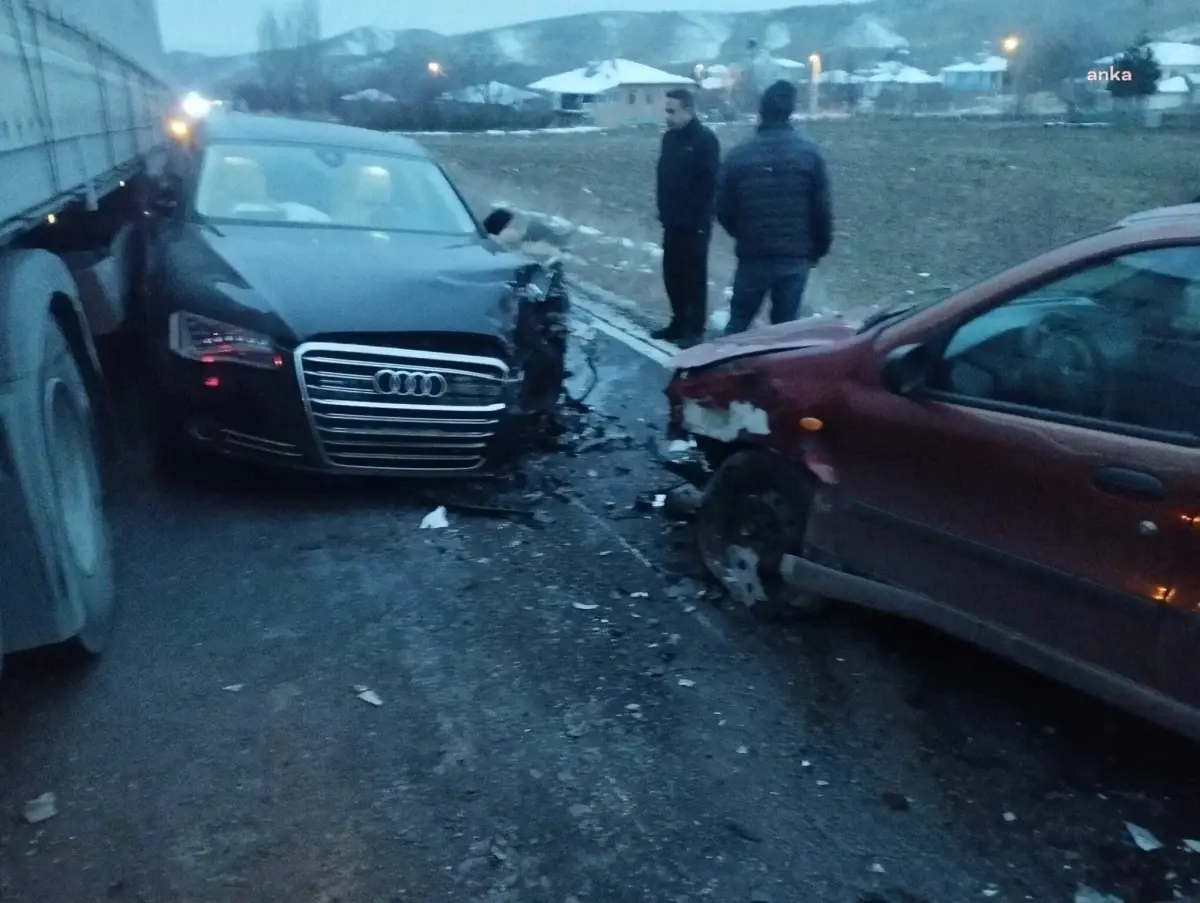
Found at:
(773, 197)
(687, 177)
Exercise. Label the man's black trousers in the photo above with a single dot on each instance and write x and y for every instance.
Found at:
(685, 277)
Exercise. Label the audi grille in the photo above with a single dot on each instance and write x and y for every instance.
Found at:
(398, 409)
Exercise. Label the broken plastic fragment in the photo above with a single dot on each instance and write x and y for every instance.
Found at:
(660, 499)
(1192, 846)
(585, 606)
(369, 696)
(1145, 841)
(686, 682)
(233, 688)
(435, 519)
(39, 809)
(1087, 894)
(725, 424)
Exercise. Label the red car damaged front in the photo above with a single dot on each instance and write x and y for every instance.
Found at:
(755, 406)
(767, 388)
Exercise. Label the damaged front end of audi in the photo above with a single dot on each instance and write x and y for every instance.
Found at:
(539, 335)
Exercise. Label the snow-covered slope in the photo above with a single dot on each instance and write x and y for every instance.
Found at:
(869, 32)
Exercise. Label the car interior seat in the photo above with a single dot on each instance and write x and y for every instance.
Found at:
(367, 194)
(1162, 386)
(236, 181)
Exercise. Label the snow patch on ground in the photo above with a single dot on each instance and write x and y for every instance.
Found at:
(565, 130)
(701, 37)
(511, 45)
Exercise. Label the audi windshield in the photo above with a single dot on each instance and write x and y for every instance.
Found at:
(291, 184)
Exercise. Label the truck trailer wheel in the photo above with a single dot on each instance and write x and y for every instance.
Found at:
(755, 511)
(62, 482)
(86, 541)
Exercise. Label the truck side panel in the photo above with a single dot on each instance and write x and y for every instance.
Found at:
(77, 111)
(128, 26)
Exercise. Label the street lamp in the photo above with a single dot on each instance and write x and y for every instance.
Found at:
(435, 68)
(814, 63)
(1010, 45)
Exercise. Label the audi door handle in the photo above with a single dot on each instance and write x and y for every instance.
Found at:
(1129, 483)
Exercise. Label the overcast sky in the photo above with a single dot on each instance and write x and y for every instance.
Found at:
(227, 26)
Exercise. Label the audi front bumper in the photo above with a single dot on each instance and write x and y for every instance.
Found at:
(347, 409)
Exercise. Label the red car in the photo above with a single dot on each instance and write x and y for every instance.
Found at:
(1017, 464)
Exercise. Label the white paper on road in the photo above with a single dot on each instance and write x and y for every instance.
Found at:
(435, 519)
(40, 809)
(1145, 841)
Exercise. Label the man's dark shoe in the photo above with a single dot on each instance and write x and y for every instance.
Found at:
(666, 334)
(689, 341)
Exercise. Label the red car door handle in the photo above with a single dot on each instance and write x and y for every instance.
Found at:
(1129, 483)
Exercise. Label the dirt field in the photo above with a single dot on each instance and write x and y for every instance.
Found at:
(955, 200)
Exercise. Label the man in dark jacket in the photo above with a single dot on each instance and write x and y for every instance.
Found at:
(773, 199)
(687, 185)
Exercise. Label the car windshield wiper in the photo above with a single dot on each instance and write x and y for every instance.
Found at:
(205, 223)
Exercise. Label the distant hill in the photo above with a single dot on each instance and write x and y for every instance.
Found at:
(936, 31)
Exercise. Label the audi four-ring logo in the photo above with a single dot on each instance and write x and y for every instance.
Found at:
(411, 383)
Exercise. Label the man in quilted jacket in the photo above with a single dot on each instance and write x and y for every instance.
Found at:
(773, 199)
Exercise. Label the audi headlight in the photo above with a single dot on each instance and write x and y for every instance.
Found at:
(211, 341)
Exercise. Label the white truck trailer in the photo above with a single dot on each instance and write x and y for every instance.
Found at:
(82, 108)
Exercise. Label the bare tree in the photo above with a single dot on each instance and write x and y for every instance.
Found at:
(270, 48)
(476, 66)
(290, 54)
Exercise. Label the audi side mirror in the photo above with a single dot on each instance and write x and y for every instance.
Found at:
(497, 221)
(904, 369)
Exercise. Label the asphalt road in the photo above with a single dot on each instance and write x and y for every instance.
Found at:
(563, 718)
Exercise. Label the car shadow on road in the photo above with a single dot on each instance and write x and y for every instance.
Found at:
(37, 682)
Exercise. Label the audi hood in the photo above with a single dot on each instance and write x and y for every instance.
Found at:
(296, 282)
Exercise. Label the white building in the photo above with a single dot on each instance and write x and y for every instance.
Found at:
(1173, 58)
(901, 82)
(984, 75)
(613, 92)
(1179, 84)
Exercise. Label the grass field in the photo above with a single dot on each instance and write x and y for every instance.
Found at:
(954, 200)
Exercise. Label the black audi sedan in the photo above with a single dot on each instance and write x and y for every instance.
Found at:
(322, 297)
